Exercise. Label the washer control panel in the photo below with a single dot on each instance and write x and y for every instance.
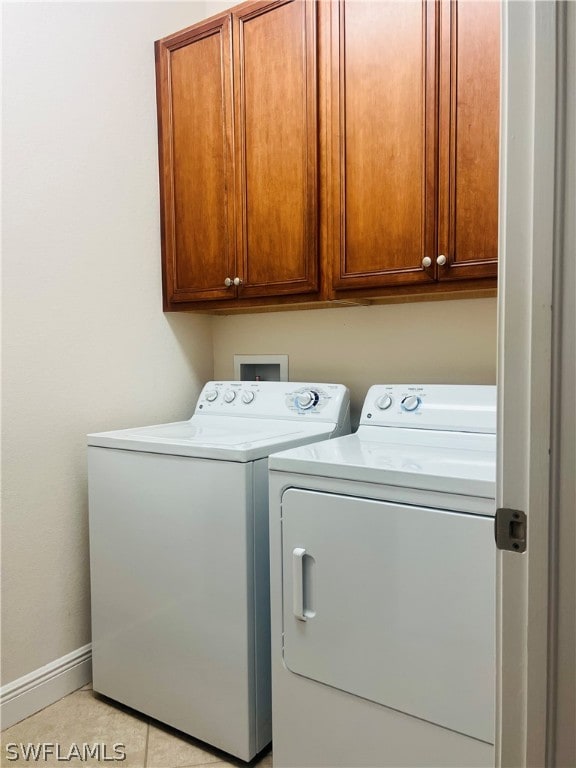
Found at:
(275, 400)
(452, 407)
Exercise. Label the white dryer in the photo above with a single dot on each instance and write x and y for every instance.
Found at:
(179, 556)
(383, 567)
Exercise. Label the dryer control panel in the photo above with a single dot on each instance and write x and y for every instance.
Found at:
(450, 407)
(275, 400)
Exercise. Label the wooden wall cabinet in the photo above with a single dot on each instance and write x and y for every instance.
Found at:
(332, 150)
(194, 86)
(413, 128)
(238, 129)
(469, 138)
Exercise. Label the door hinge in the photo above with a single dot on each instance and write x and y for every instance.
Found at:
(510, 529)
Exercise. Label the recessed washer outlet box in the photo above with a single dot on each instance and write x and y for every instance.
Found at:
(261, 367)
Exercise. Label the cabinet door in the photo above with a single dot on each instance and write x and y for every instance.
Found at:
(469, 138)
(275, 62)
(196, 175)
(382, 132)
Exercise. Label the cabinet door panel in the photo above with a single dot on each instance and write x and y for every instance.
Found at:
(383, 142)
(276, 133)
(469, 138)
(195, 117)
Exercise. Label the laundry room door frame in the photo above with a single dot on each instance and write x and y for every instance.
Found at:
(532, 159)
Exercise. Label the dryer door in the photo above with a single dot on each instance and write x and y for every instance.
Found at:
(392, 603)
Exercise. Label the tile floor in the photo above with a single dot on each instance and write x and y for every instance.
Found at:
(84, 717)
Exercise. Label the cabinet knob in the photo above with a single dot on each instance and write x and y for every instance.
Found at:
(228, 282)
(426, 262)
(237, 281)
(441, 260)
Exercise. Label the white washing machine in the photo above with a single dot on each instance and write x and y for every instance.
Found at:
(179, 556)
(383, 567)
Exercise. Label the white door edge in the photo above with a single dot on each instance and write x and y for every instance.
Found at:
(525, 343)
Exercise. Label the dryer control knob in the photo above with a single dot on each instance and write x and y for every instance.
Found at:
(247, 397)
(384, 402)
(229, 396)
(211, 395)
(410, 403)
(307, 399)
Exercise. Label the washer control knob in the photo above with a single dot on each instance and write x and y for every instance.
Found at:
(229, 396)
(211, 395)
(384, 402)
(410, 403)
(307, 399)
(247, 397)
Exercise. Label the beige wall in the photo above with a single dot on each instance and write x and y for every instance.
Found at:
(86, 345)
(434, 342)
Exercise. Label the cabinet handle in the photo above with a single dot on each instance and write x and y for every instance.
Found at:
(426, 262)
(441, 260)
(237, 281)
(228, 282)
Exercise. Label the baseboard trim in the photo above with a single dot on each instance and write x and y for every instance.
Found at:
(42, 687)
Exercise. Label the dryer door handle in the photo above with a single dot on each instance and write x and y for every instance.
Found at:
(298, 583)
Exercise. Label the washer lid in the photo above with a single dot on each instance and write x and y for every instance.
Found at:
(448, 462)
(225, 438)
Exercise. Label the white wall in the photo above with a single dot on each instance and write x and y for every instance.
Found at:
(438, 342)
(86, 345)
